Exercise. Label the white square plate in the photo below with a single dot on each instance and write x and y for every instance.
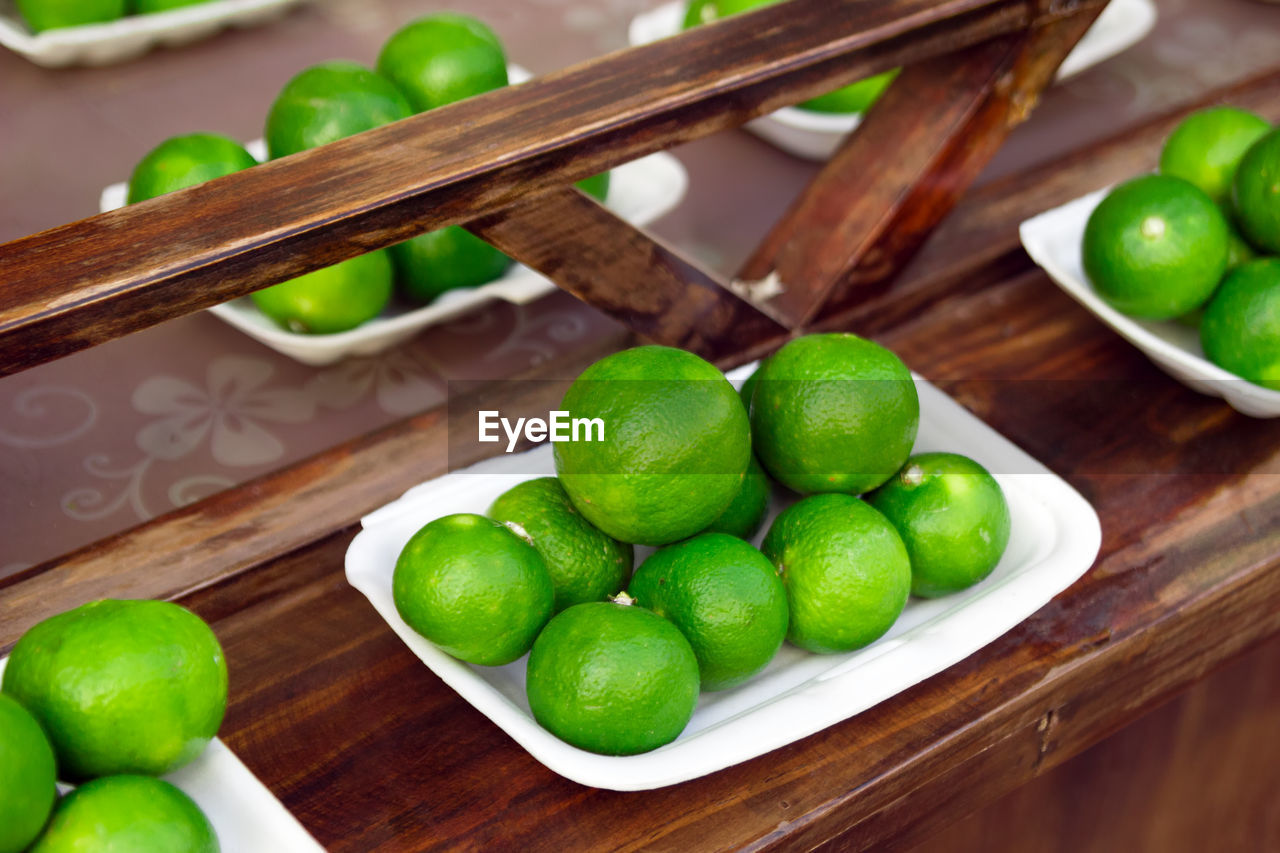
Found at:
(245, 815)
(815, 136)
(1055, 538)
(1053, 241)
(640, 192)
(132, 35)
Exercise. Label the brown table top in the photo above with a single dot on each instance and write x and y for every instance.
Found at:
(371, 751)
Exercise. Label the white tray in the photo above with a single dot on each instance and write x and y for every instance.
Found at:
(246, 816)
(1053, 241)
(640, 192)
(1055, 538)
(815, 136)
(132, 35)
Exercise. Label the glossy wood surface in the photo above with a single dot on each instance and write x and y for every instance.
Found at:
(73, 286)
(372, 752)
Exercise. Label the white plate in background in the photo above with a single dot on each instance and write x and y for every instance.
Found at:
(132, 35)
(1055, 538)
(640, 192)
(815, 136)
(1053, 241)
(246, 816)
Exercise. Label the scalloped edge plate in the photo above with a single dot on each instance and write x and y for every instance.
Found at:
(1053, 240)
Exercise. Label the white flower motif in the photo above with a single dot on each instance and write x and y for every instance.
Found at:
(229, 408)
(401, 383)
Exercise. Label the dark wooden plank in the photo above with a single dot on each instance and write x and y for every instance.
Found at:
(80, 284)
(897, 176)
(648, 286)
(233, 531)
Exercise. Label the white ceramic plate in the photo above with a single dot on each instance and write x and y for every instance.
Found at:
(132, 35)
(815, 135)
(640, 192)
(245, 815)
(1055, 538)
(1053, 240)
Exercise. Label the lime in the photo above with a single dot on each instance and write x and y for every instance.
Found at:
(183, 161)
(1256, 193)
(442, 260)
(330, 101)
(42, 15)
(675, 446)
(612, 678)
(857, 97)
(1240, 331)
(474, 588)
(585, 563)
(745, 513)
(1155, 247)
(128, 814)
(27, 777)
(143, 7)
(121, 686)
(596, 186)
(331, 299)
(951, 515)
(834, 413)
(443, 58)
(749, 387)
(724, 596)
(1206, 147)
(845, 568)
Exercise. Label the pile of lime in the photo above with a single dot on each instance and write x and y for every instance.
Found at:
(41, 15)
(107, 697)
(430, 62)
(690, 466)
(855, 98)
(1197, 242)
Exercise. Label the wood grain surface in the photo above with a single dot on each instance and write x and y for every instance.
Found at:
(80, 284)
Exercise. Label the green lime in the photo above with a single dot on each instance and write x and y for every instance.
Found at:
(42, 15)
(331, 299)
(951, 515)
(675, 445)
(128, 814)
(1156, 247)
(144, 7)
(183, 161)
(745, 513)
(438, 261)
(749, 387)
(1256, 193)
(474, 588)
(1206, 147)
(1240, 331)
(596, 186)
(586, 564)
(121, 686)
(27, 777)
(855, 98)
(330, 101)
(724, 596)
(612, 678)
(834, 413)
(443, 58)
(845, 568)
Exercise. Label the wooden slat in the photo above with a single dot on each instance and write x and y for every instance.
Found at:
(648, 286)
(897, 176)
(236, 530)
(84, 283)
